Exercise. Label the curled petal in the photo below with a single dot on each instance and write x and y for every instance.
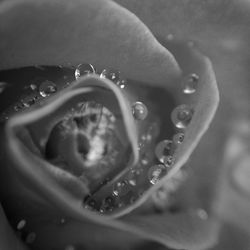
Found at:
(98, 32)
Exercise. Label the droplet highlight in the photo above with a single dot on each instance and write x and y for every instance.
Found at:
(21, 224)
(114, 76)
(181, 116)
(139, 111)
(47, 88)
(156, 172)
(84, 69)
(190, 84)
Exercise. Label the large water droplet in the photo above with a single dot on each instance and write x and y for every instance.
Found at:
(84, 69)
(21, 224)
(3, 86)
(121, 188)
(181, 116)
(47, 88)
(139, 111)
(163, 152)
(190, 84)
(156, 172)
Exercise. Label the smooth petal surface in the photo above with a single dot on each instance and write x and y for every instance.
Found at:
(233, 200)
(98, 32)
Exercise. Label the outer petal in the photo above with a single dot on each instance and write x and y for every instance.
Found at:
(98, 32)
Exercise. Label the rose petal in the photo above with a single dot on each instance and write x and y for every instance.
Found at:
(93, 31)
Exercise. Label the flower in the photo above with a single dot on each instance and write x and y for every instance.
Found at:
(148, 64)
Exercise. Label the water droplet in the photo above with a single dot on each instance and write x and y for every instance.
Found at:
(90, 204)
(3, 86)
(190, 84)
(107, 204)
(121, 188)
(139, 111)
(163, 152)
(178, 138)
(113, 75)
(21, 224)
(84, 69)
(202, 214)
(181, 116)
(62, 221)
(47, 88)
(18, 106)
(28, 101)
(156, 172)
(33, 86)
(121, 83)
(133, 176)
(30, 238)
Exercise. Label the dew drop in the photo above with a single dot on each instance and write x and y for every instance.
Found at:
(178, 138)
(18, 106)
(3, 86)
(21, 224)
(30, 238)
(156, 172)
(90, 204)
(190, 84)
(163, 152)
(107, 204)
(139, 111)
(28, 101)
(113, 75)
(33, 86)
(47, 88)
(133, 176)
(84, 69)
(202, 214)
(181, 116)
(121, 188)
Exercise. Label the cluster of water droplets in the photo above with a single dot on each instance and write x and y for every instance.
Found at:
(24, 233)
(155, 166)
